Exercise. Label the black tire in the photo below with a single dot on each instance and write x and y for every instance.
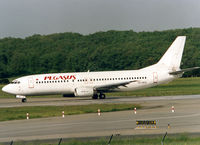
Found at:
(24, 100)
(102, 96)
(95, 96)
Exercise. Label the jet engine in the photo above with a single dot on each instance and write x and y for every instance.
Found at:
(84, 92)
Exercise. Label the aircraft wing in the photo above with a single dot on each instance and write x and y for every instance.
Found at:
(183, 70)
(109, 87)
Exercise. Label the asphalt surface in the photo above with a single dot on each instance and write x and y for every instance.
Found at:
(186, 118)
(31, 101)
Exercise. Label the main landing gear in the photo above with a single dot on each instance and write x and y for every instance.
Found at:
(100, 96)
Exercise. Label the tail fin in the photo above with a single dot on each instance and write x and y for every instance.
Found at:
(172, 57)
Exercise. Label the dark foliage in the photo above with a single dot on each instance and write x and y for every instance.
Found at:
(4, 81)
(111, 50)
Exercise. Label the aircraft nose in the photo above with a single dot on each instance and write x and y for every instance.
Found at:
(6, 89)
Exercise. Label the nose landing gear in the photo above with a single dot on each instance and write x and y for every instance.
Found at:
(21, 97)
(24, 100)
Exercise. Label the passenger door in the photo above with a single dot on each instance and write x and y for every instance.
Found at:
(30, 82)
(155, 77)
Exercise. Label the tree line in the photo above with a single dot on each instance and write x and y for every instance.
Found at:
(101, 51)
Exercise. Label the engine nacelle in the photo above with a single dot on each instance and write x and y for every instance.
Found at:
(84, 92)
(20, 97)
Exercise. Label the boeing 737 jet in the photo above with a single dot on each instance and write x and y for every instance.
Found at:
(96, 84)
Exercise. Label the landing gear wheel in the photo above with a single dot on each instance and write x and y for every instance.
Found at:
(24, 100)
(102, 96)
(95, 96)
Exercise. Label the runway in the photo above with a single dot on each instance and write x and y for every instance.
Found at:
(32, 101)
(185, 119)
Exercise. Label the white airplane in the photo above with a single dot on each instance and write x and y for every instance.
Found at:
(95, 84)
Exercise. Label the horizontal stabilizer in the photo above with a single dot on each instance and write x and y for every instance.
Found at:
(183, 70)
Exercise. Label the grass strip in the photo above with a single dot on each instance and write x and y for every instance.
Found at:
(178, 139)
(17, 113)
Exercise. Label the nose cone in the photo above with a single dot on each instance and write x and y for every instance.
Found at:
(6, 89)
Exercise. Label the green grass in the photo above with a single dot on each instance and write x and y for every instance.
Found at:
(16, 113)
(181, 86)
(180, 139)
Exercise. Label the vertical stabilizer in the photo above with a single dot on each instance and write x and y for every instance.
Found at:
(172, 57)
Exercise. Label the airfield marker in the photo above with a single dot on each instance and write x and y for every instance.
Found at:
(168, 126)
(63, 114)
(135, 110)
(27, 116)
(99, 112)
(173, 109)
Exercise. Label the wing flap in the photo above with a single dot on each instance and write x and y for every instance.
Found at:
(108, 87)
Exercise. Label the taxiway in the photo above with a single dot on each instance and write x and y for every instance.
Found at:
(185, 119)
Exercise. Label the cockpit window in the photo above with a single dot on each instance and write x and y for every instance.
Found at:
(15, 82)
